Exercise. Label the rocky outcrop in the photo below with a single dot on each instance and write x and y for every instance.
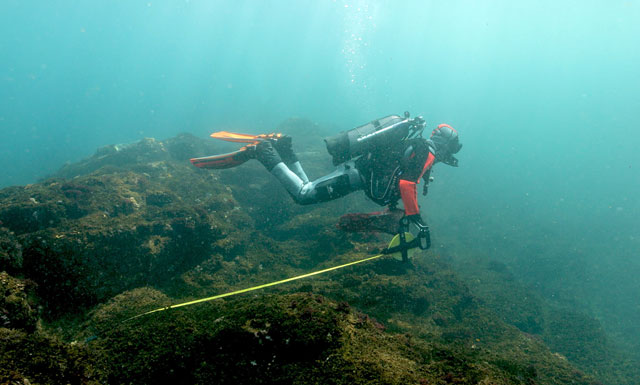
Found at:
(137, 227)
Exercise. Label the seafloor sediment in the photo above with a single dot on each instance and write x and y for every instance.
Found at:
(136, 227)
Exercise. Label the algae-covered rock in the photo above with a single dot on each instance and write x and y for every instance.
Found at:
(10, 251)
(37, 358)
(141, 223)
(572, 335)
(26, 214)
(290, 339)
(117, 231)
(17, 310)
(144, 155)
(84, 266)
(110, 314)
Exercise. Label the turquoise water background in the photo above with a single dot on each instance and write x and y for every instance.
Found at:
(545, 94)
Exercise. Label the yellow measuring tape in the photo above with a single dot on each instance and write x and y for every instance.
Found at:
(256, 287)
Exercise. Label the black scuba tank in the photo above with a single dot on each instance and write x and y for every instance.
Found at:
(375, 134)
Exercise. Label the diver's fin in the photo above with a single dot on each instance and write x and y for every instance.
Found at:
(235, 158)
(243, 138)
(222, 161)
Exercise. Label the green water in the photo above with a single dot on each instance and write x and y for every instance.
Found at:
(544, 94)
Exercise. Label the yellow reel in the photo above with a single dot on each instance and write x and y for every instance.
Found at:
(395, 242)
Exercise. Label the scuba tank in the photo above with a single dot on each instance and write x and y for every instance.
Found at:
(378, 133)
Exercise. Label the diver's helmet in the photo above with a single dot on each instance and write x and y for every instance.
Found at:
(443, 143)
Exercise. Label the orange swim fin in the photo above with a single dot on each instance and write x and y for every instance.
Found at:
(222, 161)
(243, 138)
(235, 158)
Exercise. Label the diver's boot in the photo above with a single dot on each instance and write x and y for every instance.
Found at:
(284, 147)
(267, 155)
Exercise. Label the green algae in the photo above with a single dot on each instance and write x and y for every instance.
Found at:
(17, 304)
(29, 354)
(297, 339)
(138, 228)
(39, 358)
(10, 251)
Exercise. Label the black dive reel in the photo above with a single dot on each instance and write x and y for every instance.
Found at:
(405, 240)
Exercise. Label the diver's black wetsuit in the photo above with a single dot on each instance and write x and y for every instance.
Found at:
(386, 175)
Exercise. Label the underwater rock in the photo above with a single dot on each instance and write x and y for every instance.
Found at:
(287, 339)
(147, 153)
(38, 358)
(306, 226)
(106, 316)
(30, 215)
(10, 251)
(86, 239)
(159, 199)
(17, 310)
(115, 229)
(572, 335)
(84, 266)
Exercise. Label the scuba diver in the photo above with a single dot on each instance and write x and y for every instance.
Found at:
(386, 158)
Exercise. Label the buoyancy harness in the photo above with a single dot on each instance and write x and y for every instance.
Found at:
(382, 170)
(378, 148)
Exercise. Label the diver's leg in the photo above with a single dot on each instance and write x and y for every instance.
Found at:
(272, 161)
(284, 147)
(296, 167)
(344, 180)
(288, 179)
